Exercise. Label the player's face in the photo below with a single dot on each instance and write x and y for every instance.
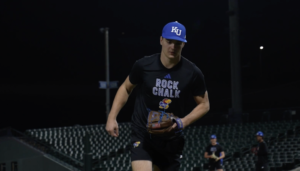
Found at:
(213, 141)
(258, 138)
(171, 48)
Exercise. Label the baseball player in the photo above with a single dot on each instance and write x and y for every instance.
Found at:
(215, 154)
(262, 153)
(163, 82)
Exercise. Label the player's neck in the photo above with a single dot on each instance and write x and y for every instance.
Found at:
(168, 62)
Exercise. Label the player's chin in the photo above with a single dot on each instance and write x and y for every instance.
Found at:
(172, 55)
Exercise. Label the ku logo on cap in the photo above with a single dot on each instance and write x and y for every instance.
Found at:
(176, 30)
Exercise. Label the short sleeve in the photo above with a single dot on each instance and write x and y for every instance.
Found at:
(207, 149)
(135, 76)
(221, 148)
(198, 83)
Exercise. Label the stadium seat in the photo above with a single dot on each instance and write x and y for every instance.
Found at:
(69, 140)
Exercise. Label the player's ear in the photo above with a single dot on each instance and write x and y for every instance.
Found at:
(183, 44)
(161, 39)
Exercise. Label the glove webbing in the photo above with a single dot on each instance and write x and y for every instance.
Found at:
(162, 115)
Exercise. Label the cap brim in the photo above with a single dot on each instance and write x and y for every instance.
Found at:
(175, 38)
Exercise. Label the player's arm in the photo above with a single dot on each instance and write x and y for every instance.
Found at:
(120, 99)
(222, 155)
(199, 111)
(206, 155)
(254, 150)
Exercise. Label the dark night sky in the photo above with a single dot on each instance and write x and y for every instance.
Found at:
(52, 54)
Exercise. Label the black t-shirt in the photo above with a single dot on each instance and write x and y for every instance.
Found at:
(262, 153)
(217, 149)
(162, 89)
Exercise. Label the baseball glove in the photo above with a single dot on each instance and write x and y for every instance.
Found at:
(160, 123)
(214, 156)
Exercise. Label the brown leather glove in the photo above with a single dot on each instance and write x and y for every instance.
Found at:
(160, 123)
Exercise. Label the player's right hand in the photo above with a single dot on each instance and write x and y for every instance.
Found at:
(112, 127)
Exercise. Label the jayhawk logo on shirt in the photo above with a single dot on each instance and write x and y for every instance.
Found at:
(164, 104)
(136, 144)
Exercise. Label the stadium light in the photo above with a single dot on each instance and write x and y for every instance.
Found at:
(261, 47)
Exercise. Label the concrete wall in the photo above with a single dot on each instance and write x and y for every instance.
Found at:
(27, 157)
(297, 169)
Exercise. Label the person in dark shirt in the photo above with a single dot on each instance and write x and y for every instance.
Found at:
(163, 82)
(262, 153)
(216, 149)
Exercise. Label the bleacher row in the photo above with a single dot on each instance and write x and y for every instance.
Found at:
(69, 140)
(113, 153)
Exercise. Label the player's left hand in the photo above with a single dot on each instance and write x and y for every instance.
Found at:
(175, 126)
(217, 159)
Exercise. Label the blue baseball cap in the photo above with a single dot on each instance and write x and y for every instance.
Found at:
(213, 137)
(174, 31)
(259, 133)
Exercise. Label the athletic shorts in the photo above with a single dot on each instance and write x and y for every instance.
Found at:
(215, 165)
(164, 153)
